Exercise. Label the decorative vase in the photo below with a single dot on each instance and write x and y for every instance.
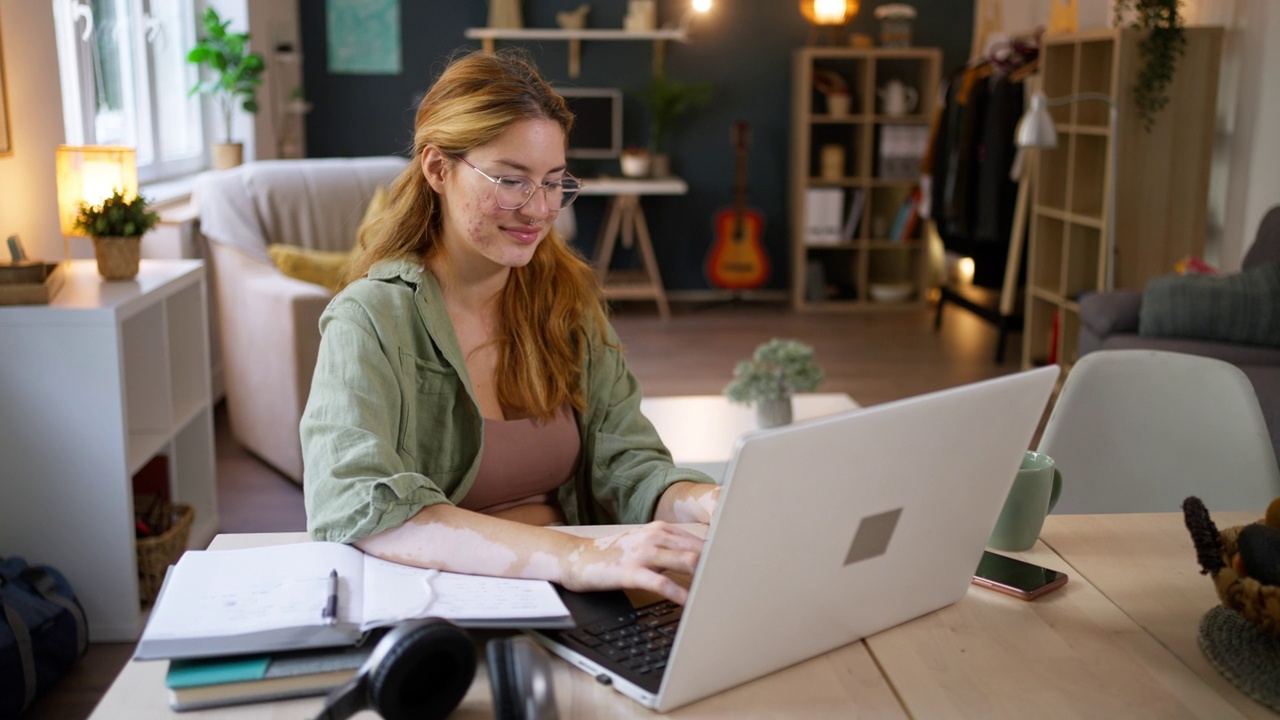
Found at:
(635, 163)
(227, 155)
(117, 256)
(772, 413)
(505, 14)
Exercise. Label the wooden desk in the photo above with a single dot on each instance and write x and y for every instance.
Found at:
(700, 430)
(1121, 648)
(625, 220)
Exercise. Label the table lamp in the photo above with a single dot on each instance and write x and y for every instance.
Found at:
(1036, 129)
(831, 14)
(91, 173)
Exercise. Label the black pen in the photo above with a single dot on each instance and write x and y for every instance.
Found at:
(330, 614)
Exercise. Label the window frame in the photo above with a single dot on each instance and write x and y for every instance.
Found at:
(78, 87)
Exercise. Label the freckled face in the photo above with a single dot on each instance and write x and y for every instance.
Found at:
(476, 230)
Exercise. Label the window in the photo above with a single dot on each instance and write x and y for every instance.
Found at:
(126, 80)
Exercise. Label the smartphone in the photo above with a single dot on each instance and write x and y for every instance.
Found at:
(1016, 577)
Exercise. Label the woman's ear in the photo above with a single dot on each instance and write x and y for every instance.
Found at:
(435, 164)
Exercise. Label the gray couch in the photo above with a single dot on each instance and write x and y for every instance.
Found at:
(1114, 320)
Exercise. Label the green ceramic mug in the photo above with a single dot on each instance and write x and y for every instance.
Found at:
(1035, 491)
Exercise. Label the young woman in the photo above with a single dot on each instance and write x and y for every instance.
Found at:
(469, 388)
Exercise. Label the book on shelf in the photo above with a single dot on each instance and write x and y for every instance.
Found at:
(823, 212)
(264, 599)
(196, 684)
(854, 218)
(908, 217)
(901, 150)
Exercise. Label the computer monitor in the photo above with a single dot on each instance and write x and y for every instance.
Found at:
(597, 125)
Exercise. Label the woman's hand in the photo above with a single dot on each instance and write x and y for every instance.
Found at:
(688, 502)
(635, 558)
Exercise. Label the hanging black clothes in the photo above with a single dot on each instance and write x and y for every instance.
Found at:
(973, 198)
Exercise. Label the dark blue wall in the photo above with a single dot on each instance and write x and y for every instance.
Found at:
(743, 48)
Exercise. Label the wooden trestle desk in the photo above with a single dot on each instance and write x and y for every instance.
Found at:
(1117, 641)
(625, 221)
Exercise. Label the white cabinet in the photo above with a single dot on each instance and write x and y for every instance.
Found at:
(93, 386)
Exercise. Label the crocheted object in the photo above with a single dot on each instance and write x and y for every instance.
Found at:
(1245, 655)
(1257, 603)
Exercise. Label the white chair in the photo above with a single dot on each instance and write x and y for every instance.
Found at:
(1140, 430)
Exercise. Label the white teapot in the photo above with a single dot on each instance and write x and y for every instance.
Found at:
(898, 99)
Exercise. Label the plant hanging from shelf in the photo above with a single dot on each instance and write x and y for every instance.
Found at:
(1160, 50)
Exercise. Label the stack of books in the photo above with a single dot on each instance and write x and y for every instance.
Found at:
(285, 621)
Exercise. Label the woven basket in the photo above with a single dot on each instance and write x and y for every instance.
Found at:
(157, 553)
(117, 256)
(1257, 603)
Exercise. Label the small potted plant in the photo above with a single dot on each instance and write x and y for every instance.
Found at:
(777, 369)
(666, 101)
(117, 227)
(236, 75)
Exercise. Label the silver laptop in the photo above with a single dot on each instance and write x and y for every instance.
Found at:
(828, 531)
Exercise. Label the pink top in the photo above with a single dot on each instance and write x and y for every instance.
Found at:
(524, 462)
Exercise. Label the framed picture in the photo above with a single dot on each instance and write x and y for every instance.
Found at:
(5, 147)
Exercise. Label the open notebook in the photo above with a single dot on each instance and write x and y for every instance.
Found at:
(226, 602)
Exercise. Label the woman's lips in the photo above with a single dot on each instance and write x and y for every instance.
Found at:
(524, 233)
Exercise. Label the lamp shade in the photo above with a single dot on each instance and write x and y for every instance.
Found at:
(91, 173)
(1035, 127)
(828, 12)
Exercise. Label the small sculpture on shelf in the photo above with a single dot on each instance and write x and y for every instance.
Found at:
(777, 369)
(573, 19)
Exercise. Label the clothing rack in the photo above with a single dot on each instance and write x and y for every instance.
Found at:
(1006, 314)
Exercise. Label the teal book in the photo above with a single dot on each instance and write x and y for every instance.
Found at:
(216, 682)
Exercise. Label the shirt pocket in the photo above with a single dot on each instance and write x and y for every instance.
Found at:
(433, 416)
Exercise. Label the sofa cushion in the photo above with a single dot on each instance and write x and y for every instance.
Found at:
(1239, 308)
(322, 267)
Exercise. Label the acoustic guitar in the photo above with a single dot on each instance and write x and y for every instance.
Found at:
(737, 260)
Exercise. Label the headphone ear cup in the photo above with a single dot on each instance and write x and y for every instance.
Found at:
(521, 680)
(426, 674)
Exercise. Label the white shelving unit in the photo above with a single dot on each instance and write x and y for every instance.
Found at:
(488, 37)
(93, 386)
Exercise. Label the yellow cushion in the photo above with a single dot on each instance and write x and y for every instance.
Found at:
(322, 267)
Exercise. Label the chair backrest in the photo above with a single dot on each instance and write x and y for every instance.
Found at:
(1140, 430)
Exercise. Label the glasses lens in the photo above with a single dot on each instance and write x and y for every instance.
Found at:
(513, 191)
(569, 188)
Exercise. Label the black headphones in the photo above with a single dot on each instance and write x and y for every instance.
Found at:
(421, 670)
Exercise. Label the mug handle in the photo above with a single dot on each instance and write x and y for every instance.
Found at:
(913, 97)
(1057, 489)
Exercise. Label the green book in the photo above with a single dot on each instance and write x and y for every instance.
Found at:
(220, 681)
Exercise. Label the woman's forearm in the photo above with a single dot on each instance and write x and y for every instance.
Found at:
(688, 502)
(449, 538)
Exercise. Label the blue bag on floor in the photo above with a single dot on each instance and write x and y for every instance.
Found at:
(42, 632)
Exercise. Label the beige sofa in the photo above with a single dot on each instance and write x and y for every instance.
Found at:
(269, 322)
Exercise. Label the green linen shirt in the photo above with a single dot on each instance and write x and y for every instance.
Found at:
(392, 424)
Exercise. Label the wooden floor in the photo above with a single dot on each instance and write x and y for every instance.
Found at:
(872, 357)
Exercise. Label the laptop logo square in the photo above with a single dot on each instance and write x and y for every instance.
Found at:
(872, 538)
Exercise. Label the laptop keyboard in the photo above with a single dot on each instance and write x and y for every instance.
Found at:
(639, 640)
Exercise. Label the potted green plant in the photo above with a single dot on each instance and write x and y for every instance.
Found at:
(666, 100)
(1160, 49)
(236, 75)
(116, 226)
(777, 369)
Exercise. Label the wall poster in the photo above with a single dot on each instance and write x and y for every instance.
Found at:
(363, 36)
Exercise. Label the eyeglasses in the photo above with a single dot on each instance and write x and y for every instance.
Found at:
(514, 191)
